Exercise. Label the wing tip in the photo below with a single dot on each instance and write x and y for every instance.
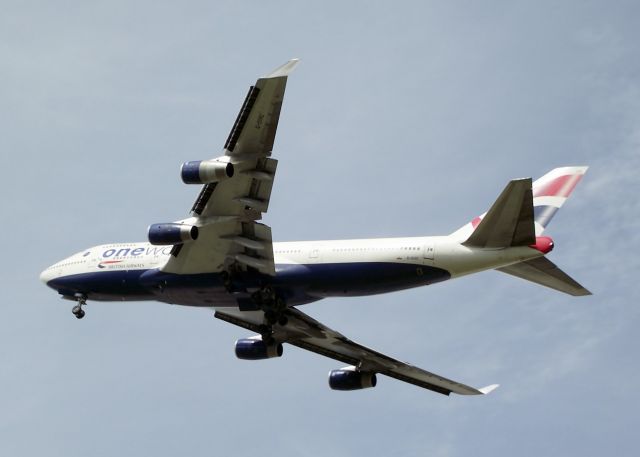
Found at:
(284, 70)
(488, 389)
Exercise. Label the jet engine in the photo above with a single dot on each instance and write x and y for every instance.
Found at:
(171, 233)
(349, 378)
(205, 171)
(256, 349)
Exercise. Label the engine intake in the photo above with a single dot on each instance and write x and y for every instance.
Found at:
(205, 171)
(171, 233)
(256, 349)
(351, 379)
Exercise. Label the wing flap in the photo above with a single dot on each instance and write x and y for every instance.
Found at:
(221, 241)
(242, 118)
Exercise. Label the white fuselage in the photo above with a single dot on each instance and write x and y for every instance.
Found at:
(315, 269)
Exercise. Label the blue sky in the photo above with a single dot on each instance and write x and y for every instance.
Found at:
(402, 119)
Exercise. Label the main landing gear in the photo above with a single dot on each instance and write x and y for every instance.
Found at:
(274, 308)
(77, 310)
(272, 317)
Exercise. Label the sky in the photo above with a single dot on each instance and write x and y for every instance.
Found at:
(403, 119)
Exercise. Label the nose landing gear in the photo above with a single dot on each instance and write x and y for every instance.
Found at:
(77, 310)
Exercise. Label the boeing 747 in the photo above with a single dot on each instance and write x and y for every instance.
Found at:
(222, 258)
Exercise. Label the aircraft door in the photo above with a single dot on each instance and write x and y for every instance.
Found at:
(314, 253)
(429, 252)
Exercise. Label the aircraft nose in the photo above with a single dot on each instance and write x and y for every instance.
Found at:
(47, 275)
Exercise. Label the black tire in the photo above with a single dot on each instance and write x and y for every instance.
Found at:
(76, 309)
(79, 314)
(270, 317)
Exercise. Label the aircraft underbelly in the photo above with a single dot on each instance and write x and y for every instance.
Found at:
(121, 285)
(359, 278)
(297, 283)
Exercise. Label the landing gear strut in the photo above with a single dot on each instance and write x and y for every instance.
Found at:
(277, 315)
(77, 310)
(266, 333)
(274, 308)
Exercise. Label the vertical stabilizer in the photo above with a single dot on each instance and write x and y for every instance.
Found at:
(509, 222)
(551, 192)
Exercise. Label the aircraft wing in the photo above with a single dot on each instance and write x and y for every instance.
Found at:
(226, 212)
(307, 333)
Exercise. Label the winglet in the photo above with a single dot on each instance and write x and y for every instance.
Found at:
(284, 70)
(488, 389)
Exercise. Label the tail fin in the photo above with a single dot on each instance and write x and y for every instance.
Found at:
(551, 191)
(549, 194)
(518, 216)
(509, 222)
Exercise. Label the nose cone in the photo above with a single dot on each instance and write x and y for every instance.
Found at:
(47, 275)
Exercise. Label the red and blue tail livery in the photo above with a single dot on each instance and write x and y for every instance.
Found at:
(223, 258)
(551, 192)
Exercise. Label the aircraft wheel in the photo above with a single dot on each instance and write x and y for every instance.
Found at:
(77, 310)
(270, 317)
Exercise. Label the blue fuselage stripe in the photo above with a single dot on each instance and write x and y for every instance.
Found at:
(298, 283)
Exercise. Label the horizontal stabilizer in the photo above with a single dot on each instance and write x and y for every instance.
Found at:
(509, 222)
(544, 272)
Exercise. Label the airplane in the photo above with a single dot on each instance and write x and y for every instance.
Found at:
(224, 259)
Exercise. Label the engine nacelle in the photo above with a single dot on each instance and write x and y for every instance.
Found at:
(351, 379)
(171, 233)
(205, 171)
(256, 349)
